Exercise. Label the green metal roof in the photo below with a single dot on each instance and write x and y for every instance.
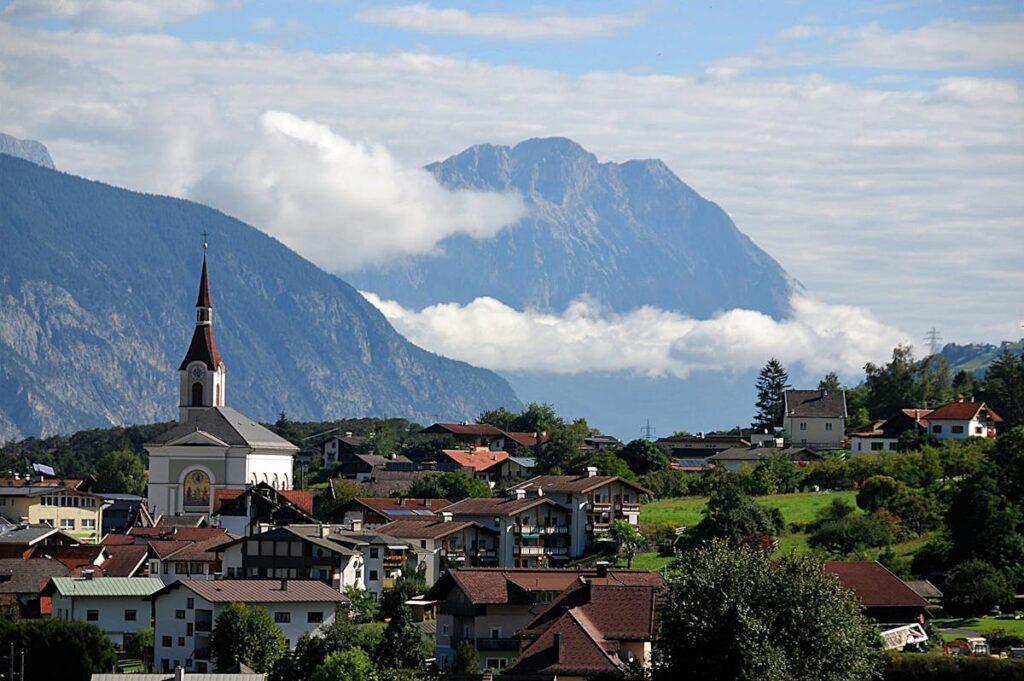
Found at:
(107, 586)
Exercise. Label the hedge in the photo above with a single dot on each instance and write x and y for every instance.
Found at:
(917, 667)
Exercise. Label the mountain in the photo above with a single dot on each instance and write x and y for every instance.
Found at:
(627, 234)
(97, 295)
(976, 357)
(28, 150)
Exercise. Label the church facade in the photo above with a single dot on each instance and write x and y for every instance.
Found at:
(213, 446)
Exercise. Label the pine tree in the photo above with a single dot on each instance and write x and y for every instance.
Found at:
(830, 382)
(771, 387)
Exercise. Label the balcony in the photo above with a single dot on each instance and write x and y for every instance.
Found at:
(394, 560)
(541, 529)
(599, 506)
(204, 625)
(490, 645)
(201, 654)
(540, 551)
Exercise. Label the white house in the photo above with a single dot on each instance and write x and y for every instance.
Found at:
(815, 418)
(117, 605)
(960, 420)
(185, 614)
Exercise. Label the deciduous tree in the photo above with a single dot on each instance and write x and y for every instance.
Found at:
(121, 471)
(248, 635)
(450, 485)
(627, 538)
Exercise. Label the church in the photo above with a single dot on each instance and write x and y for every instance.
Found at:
(213, 447)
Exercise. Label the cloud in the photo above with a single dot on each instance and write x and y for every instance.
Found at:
(114, 15)
(426, 19)
(343, 204)
(646, 341)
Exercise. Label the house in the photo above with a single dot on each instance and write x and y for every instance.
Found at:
(340, 448)
(531, 531)
(602, 443)
(517, 439)
(883, 596)
(734, 459)
(181, 552)
(882, 436)
(516, 468)
(373, 512)
(596, 627)
(959, 420)
(479, 462)
(121, 511)
(468, 434)
(487, 606)
(690, 465)
(699, 446)
(125, 557)
(180, 674)
(21, 580)
(815, 418)
(67, 505)
(386, 483)
(444, 543)
(185, 613)
(117, 605)
(593, 502)
(244, 511)
(20, 541)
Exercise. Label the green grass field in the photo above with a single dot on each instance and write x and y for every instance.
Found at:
(983, 624)
(796, 508)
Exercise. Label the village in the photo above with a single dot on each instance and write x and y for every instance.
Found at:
(478, 553)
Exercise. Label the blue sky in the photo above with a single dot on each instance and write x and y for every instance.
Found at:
(875, 149)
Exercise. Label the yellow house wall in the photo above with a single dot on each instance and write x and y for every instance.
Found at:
(32, 508)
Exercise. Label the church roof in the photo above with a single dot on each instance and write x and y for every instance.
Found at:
(204, 288)
(203, 348)
(229, 426)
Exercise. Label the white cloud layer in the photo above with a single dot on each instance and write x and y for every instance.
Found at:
(646, 341)
(114, 15)
(423, 18)
(343, 204)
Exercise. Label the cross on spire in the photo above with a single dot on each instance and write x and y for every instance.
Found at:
(205, 240)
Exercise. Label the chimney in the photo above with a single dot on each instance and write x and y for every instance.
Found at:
(540, 491)
(357, 525)
(591, 471)
(179, 673)
(520, 493)
(426, 502)
(325, 531)
(557, 643)
(88, 573)
(446, 517)
(960, 397)
(348, 433)
(284, 585)
(602, 568)
(401, 501)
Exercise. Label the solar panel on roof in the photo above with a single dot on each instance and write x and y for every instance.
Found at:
(422, 512)
(692, 463)
(44, 469)
(401, 511)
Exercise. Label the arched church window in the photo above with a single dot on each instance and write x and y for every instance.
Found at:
(275, 483)
(216, 392)
(286, 485)
(197, 394)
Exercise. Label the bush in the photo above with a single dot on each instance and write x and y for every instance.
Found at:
(879, 491)
(976, 587)
(855, 533)
(910, 667)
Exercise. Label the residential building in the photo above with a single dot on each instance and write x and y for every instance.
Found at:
(446, 543)
(487, 606)
(884, 597)
(125, 557)
(373, 512)
(815, 418)
(515, 468)
(20, 541)
(117, 605)
(735, 459)
(468, 434)
(602, 443)
(593, 502)
(340, 448)
(247, 511)
(959, 420)
(120, 511)
(596, 627)
(68, 506)
(213, 446)
(699, 446)
(182, 675)
(531, 531)
(882, 436)
(185, 612)
(181, 552)
(480, 462)
(21, 580)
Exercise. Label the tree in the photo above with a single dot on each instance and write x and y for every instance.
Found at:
(501, 418)
(893, 386)
(1004, 387)
(351, 665)
(855, 533)
(536, 418)
(303, 662)
(982, 523)
(606, 463)
(467, 660)
(408, 585)
(121, 471)
(248, 635)
(627, 538)
(450, 485)
(934, 381)
(729, 613)
(380, 441)
(733, 516)
(141, 645)
(830, 382)
(564, 441)
(879, 491)
(57, 649)
(400, 646)
(975, 588)
(1008, 456)
(643, 456)
(772, 383)
(776, 475)
(362, 606)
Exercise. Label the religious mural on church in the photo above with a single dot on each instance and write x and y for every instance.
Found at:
(197, 488)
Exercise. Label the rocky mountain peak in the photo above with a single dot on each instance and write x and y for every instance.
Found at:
(28, 150)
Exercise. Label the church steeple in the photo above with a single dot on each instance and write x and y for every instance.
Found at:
(202, 372)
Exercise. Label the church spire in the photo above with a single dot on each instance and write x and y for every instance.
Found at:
(202, 372)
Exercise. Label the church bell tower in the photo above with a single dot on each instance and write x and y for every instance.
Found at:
(202, 374)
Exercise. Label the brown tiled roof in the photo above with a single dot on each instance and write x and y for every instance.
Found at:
(479, 459)
(117, 540)
(815, 403)
(221, 495)
(496, 505)
(389, 505)
(124, 561)
(463, 429)
(417, 529)
(203, 550)
(182, 520)
(572, 645)
(27, 576)
(261, 591)
(303, 498)
(525, 439)
(875, 586)
(504, 585)
(81, 555)
(963, 411)
(178, 533)
(574, 484)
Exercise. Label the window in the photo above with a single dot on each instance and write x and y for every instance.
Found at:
(282, 617)
(67, 523)
(166, 642)
(803, 425)
(88, 523)
(495, 632)
(423, 543)
(190, 603)
(828, 426)
(444, 629)
(129, 615)
(167, 568)
(957, 429)
(197, 394)
(877, 446)
(179, 614)
(314, 616)
(165, 664)
(181, 641)
(92, 615)
(978, 430)
(373, 575)
(374, 552)
(936, 429)
(189, 629)
(496, 663)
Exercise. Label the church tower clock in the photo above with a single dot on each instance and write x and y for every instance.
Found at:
(203, 376)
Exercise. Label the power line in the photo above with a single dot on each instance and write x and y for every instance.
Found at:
(934, 340)
(647, 431)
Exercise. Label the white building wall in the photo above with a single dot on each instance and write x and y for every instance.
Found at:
(815, 430)
(967, 429)
(111, 612)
